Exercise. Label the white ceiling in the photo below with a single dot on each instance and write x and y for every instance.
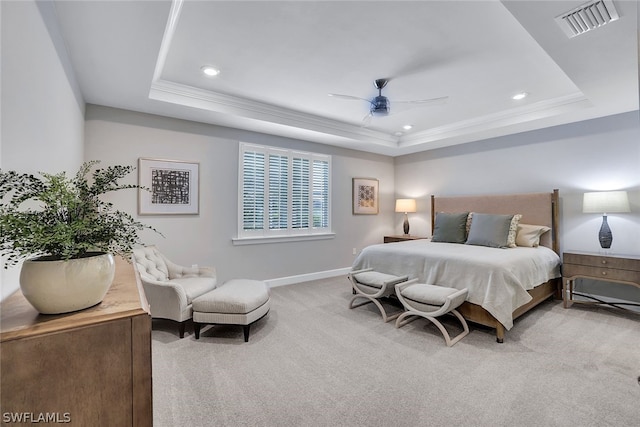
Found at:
(279, 60)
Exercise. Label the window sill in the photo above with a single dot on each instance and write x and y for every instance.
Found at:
(238, 241)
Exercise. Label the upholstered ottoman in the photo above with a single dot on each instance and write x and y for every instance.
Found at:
(239, 302)
(431, 301)
(371, 285)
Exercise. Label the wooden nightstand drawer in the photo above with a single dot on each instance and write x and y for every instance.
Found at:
(602, 261)
(605, 273)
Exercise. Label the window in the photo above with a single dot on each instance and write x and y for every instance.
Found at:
(283, 192)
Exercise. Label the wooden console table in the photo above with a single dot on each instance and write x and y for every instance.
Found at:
(605, 268)
(87, 368)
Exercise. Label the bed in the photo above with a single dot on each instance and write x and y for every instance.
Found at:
(503, 283)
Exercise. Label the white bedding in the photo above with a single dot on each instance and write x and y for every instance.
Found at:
(497, 279)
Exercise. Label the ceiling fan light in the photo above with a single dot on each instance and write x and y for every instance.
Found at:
(380, 106)
(379, 111)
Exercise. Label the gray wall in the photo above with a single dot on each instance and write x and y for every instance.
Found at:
(42, 114)
(121, 137)
(594, 155)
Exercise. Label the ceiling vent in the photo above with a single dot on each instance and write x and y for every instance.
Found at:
(587, 17)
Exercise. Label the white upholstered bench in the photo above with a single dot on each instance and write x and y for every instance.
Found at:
(431, 301)
(370, 286)
(239, 302)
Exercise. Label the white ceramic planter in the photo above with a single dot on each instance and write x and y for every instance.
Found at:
(55, 287)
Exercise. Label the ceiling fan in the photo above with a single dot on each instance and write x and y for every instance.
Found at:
(381, 106)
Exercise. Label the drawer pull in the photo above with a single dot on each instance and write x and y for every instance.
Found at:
(604, 261)
(604, 273)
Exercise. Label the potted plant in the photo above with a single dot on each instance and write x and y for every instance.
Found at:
(69, 232)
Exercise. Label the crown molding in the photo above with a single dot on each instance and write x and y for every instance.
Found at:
(501, 119)
(177, 93)
(167, 38)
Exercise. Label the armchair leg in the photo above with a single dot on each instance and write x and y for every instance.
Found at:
(196, 329)
(246, 332)
(182, 326)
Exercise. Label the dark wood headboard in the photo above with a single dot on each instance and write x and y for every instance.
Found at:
(535, 208)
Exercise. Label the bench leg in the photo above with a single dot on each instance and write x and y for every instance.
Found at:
(406, 317)
(246, 332)
(196, 329)
(368, 300)
(410, 316)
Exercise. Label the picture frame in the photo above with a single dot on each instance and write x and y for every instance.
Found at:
(171, 187)
(365, 196)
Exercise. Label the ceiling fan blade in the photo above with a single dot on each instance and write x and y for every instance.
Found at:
(435, 101)
(366, 120)
(337, 95)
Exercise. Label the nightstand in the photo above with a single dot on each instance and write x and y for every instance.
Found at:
(605, 268)
(402, 238)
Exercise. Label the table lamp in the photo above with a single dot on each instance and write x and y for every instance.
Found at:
(603, 202)
(406, 206)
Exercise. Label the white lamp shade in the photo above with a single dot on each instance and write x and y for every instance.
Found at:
(605, 202)
(405, 205)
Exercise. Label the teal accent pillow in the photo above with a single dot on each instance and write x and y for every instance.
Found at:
(489, 230)
(450, 227)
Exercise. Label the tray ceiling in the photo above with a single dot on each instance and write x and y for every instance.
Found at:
(279, 60)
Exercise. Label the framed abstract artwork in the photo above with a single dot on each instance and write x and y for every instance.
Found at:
(171, 187)
(365, 196)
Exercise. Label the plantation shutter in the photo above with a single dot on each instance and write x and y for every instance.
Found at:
(300, 193)
(320, 194)
(278, 192)
(283, 193)
(253, 186)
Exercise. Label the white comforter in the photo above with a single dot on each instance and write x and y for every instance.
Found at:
(497, 279)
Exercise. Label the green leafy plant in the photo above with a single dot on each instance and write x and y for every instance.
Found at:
(59, 217)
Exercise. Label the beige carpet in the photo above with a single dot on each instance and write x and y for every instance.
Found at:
(314, 362)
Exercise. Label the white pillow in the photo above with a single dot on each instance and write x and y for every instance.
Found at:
(529, 235)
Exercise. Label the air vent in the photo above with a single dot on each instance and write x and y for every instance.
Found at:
(587, 17)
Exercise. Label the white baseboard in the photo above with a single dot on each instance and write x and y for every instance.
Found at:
(290, 280)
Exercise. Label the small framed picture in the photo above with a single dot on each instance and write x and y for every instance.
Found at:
(171, 187)
(365, 196)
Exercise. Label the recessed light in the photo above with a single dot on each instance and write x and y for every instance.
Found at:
(398, 133)
(520, 95)
(407, 127)
(210, 71)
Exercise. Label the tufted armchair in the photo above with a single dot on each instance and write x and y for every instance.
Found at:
(170, 287)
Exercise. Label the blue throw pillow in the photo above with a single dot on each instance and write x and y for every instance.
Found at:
(450, 227)
(489, 230)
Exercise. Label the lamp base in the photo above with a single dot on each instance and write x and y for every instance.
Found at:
(605, 235)
(405, 225)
